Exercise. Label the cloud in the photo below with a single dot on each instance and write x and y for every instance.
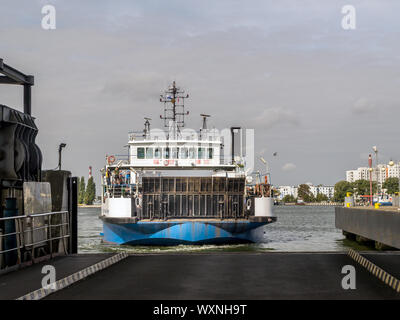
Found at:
(363, 105)
(288, 167)
(274, 117)
(288, 71)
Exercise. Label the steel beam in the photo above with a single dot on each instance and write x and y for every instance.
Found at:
(16, 75)
(13, 76)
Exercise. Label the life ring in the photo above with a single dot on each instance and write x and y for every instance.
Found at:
(166, 162)
(138, 202)
(248, 204)
(110, 159)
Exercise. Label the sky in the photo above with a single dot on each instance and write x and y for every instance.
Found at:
(317, 94)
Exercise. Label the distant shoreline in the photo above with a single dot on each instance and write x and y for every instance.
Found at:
(89, 205)
(312, 204)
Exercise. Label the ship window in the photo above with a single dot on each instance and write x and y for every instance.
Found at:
(149, 153)
(166, 153)
(140, 153)
(192, 153)
(157, 153)
(201, 153)
(175, 153)
(184, 153)
(210, 153)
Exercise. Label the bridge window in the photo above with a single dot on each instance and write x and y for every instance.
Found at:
(201, 153)
(149, 153)
(157, 153)
(192, 153)
(166, 153)
(175, 153)
(140, 153)
(184, 153)
(210, 153)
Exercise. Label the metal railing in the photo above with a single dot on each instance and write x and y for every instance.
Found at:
(128, 160)
(192, 135)
(35, 232)
(119, 191)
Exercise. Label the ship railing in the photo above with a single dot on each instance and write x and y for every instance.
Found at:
(193, 136)
(33, 235)
(223, 160)
(120, 191)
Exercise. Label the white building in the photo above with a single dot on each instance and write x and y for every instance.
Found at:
(379, 173)
(361, 173)
(287, 191)
(325, 190)
(293, 191)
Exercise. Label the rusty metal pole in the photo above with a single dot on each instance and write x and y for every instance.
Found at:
(370, 179)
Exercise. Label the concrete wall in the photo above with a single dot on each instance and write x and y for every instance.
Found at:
(378, 225)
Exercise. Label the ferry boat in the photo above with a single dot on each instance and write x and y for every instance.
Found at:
(176, 186)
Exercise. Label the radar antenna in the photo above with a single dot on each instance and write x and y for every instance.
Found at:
(205, 116)
(146, 130)
(204, 128)
(174, 109)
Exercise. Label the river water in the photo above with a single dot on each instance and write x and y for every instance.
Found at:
(299, 228)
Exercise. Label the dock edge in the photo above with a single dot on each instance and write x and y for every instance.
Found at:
(73, 278)
(378, 272)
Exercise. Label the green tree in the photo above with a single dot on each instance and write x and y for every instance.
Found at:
(90, 193)
(341, 188)
(289, 198)
(81, 191)
(391, 185)
(362, 187)
(305, 193)
(321, 197)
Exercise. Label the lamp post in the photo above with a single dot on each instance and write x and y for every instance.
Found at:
(60, 147)
(370, 179)
(378, 189)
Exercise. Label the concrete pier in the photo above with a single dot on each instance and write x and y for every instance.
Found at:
(379, 225)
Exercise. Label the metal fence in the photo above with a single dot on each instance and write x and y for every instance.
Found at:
(32, 236)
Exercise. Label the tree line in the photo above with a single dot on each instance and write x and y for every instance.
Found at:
(362, 188)
(86, 194)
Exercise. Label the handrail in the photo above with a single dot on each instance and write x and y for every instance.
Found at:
(33, 215)
(34, 236)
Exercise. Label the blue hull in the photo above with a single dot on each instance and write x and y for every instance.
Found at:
(183, 232)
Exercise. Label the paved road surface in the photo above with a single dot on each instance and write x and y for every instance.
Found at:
(232, 276)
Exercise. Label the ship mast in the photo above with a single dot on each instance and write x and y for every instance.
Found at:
(174, 110)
